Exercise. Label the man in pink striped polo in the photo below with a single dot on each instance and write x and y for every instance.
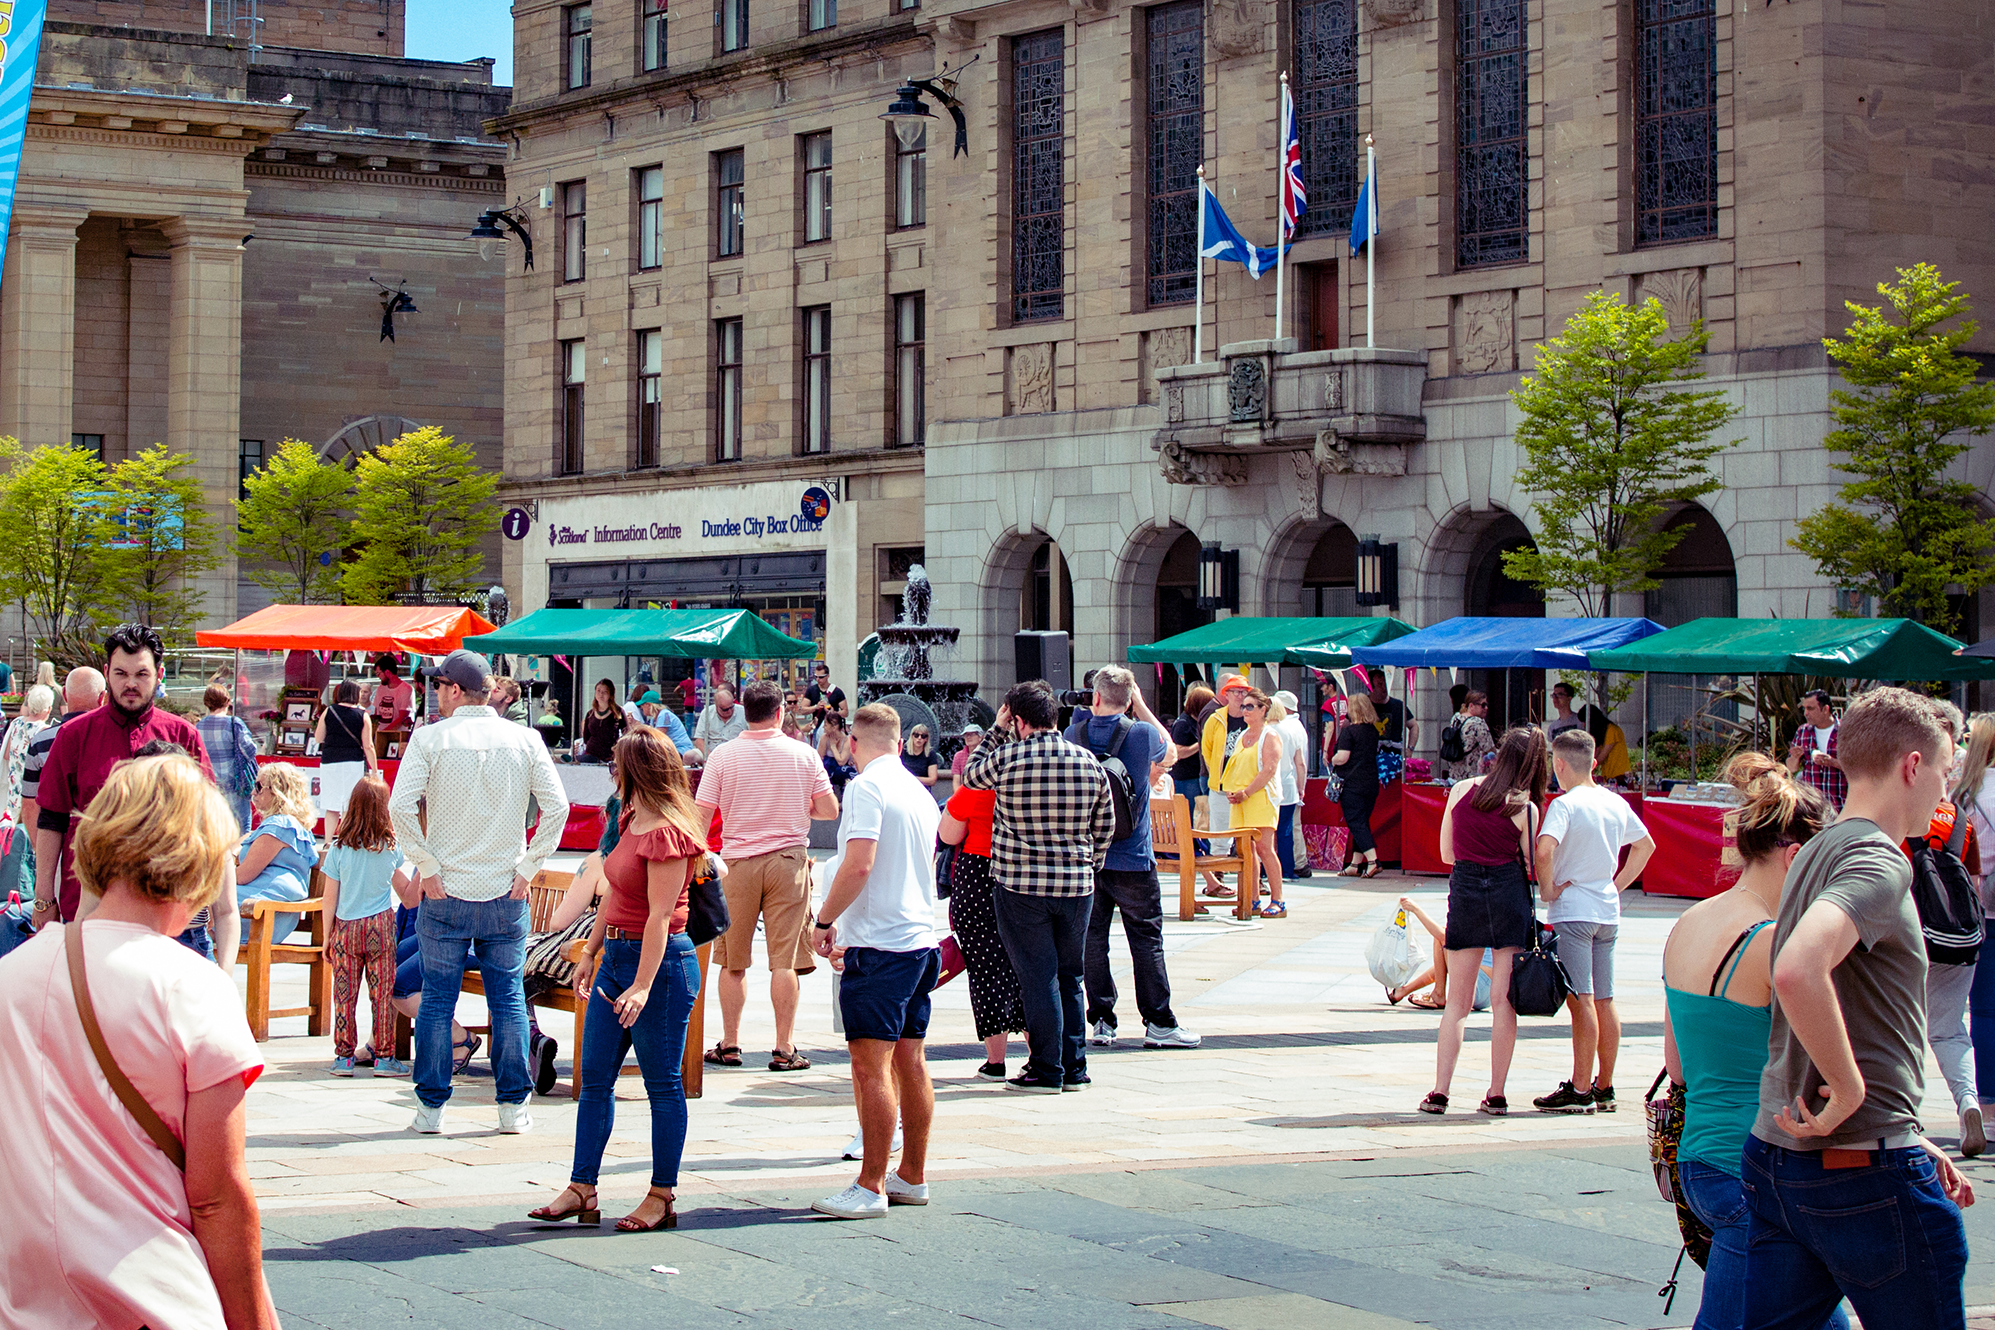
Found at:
(767, 787)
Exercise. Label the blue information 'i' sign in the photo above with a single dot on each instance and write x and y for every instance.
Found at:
(515, 524)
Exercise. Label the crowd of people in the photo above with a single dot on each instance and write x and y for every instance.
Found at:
(1800, 1002)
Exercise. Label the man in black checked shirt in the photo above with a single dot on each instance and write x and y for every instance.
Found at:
(1051, 832)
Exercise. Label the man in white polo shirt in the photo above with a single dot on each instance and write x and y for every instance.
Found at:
(767, 788)
(879, 919)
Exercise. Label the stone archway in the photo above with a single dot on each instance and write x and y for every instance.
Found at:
(363, 435)
(1024, 584)
(1699, 577)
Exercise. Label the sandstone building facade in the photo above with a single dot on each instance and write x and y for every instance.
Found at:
(203, 227)
(1749, 165)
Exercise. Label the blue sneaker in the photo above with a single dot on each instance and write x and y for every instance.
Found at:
(390, 1067)
(342, 1066)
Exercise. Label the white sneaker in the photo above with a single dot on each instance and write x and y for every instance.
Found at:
(856, 1148)
(429, 1121)
(905, 1193)
(515, 1120)
(1168, 1036)
(1102, 1035)
(855, 1202)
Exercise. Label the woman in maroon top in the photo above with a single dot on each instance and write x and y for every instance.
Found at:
(640, 976)
(1486, 832)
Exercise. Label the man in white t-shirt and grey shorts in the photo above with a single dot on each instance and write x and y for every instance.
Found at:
(1581, 877)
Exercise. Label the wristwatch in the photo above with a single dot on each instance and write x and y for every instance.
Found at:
(42, 905)
(826, 923)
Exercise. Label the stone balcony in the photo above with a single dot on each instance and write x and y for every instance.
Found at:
(1356, 409)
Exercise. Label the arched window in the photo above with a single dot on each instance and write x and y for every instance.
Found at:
(365, 435)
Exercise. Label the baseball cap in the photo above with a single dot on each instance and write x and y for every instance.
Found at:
(973, 728)
(466, 669)
(1288, 701)
(1233, 683)
(650, 695)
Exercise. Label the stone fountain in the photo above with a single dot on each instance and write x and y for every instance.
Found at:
(905, 675)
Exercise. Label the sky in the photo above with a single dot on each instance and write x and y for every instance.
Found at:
(463, 30)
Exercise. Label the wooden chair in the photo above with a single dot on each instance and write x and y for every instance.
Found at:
(1173, 840)
(262, 950)
(543, 898)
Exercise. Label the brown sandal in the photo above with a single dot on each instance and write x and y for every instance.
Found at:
(724, 1055)
(794, 1060)
(585, 1211)
(630, 1223)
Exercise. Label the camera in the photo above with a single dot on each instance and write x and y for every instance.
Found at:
(1077, 697)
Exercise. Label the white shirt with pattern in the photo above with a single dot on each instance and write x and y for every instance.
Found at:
(474, 770)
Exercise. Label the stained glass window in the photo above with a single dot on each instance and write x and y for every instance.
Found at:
(1176, 90)
(1492, 186)
(1326, 111)
(1676, 121)
(1038, 170)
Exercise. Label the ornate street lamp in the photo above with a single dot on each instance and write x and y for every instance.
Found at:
(490, 237)
(909, 115)
(1378, 573)
(1218, 578)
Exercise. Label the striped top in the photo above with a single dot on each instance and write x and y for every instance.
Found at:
(762, 782)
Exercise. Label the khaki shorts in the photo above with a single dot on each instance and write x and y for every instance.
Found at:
(775, 887)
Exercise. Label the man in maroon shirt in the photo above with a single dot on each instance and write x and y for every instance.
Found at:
(87, 747)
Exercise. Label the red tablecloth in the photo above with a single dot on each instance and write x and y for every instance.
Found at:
(1318, 810)
(1690, 843)
(1420, 825)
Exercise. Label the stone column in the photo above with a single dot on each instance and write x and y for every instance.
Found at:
(38, 323)
(204, 374)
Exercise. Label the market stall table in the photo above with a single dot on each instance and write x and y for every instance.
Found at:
(1422, 805)
(1319, 810)
(1690, 842)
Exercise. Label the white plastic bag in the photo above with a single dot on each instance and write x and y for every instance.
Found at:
(1392, 955)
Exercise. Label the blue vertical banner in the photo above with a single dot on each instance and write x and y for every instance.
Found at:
(20, 43)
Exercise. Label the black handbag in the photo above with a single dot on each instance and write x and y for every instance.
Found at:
(706, 905)
(1538, 982)
(945, 869)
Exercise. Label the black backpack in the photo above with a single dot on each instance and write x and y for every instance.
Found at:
(1452, 748)
(1121, 787)
(1949, 907)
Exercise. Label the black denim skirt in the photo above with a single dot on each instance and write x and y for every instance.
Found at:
(1488, 907)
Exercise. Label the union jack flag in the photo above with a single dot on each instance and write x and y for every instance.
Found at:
(1295, 196)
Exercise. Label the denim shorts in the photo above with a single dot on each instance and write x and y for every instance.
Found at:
(884, 994)
(1587, 952)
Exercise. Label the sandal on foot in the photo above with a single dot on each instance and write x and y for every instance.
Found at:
(723, 1055)
(1495, 1105)
(794, 1060)
(1219, 893)
(584, 1211)
(1393, 997)
(472, 1043)
(1371, 868)
(1275, 910)
(632, 1224)
(1355, 868)
(1435, 1102)
(1427, 1004)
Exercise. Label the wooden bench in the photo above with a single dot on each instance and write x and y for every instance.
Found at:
(544, 896)
(1174, 840)
(261, 950)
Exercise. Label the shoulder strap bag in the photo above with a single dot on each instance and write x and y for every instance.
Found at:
(121, 1084)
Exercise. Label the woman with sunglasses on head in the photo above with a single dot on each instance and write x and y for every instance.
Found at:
(1718, 987)
(1246, 781)
(640, 976)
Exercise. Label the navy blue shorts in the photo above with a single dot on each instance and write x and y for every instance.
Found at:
(884, 994)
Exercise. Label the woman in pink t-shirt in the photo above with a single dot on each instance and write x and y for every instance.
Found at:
(103, 1227)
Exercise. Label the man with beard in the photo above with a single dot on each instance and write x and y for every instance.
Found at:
(89, 745)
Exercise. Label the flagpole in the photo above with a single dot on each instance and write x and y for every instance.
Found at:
(1371, 231)
(1281, 186)
(1198, 301)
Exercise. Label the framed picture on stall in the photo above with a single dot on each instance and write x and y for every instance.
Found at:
(297, 711)
(394, 751)
(294, 736)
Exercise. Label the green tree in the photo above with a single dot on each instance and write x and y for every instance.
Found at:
(422, 507)
(160, 539)
(293, 511)
(1612, 438)
(52, 508)
(1902, 531)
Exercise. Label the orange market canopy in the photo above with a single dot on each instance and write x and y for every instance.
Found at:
(430, 630)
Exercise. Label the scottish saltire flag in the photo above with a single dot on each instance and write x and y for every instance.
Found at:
(1295, 197)
(20, 39)
(1361, 216)
(1222, 240)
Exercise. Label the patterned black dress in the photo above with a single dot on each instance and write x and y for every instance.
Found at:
(994, 997)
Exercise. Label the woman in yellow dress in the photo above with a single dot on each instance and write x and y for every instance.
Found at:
(1245, 780)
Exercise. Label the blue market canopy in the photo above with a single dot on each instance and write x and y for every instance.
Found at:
(691, 634)
(1506, 644)
(1249, 639)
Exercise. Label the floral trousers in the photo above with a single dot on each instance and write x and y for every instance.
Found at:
(357, 946)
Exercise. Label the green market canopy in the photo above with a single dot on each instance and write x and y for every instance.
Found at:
(1893, 649)
(1322, 642)
(691, 634)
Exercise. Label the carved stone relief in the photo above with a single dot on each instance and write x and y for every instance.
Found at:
(1163, 348)
(1308, 483)
(1182, 466)
(1240, 27)
(1681, 291)
(1395, 13)
(1333, 391)
(1336, 455)
(1486, 333)
(1174, 403)
(1246, 391)
(1029, 379)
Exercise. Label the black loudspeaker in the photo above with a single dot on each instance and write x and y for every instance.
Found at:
(1044, 655)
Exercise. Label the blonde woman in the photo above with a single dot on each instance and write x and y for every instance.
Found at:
(104, 1227)
(276, 860)
(1246, 780)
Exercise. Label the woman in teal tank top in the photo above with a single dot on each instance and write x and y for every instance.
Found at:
(1718, 982)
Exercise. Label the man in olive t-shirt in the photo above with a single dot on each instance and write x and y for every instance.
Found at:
(1847, 1198)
